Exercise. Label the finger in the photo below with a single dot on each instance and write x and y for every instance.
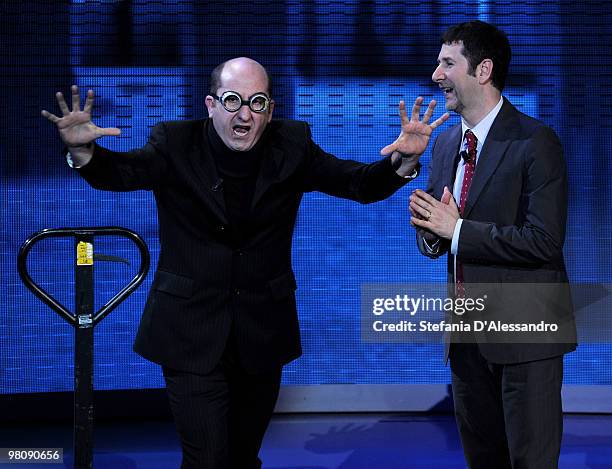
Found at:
(388, 149)
(52, 117)
(62, 103)
(446, 196)
(76, 99)
(420, 223)
(423, 212)
(418, 202)
(425, 196)
(416, 109)
(421, 216)
(89, 102)
(110, 131)
(422, 208)
(402, 112)
(429, 112)
(414, 213)
(440, 120)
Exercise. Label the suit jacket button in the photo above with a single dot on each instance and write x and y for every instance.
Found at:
(237, 292)
(221, 228)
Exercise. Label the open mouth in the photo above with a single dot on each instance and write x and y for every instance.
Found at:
(241, 130)
(447, 90)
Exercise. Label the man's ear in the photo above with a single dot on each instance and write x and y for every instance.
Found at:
(484, 72)
(210, 105)
(271, 110)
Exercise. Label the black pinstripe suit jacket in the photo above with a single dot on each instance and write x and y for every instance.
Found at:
(204, 285)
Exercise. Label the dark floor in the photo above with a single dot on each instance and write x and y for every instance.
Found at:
(306, 441)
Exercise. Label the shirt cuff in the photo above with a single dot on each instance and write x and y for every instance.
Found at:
(70, 161)
(398, 165)
(455, 240)
(412, 175)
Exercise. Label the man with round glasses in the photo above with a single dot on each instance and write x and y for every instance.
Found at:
(221, 316)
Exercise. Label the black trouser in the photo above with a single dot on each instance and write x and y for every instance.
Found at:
(221, 417)
(509, 416)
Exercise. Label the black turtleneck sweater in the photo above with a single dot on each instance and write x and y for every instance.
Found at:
(238, 170)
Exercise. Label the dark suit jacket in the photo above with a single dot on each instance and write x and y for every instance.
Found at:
(205, 285)
(513, 229)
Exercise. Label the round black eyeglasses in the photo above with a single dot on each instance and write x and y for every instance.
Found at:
(232, 101)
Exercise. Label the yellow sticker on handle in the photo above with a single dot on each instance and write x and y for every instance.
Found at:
(84, 253)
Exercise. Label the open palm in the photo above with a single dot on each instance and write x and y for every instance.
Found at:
(415, 134)
(75, 127)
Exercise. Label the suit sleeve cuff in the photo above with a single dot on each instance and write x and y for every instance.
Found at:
(391, 174)
(433, 247)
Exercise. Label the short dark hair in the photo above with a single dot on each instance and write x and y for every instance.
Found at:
(482, 41)
(215, 79)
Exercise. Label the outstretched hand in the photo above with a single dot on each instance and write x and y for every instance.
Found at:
(415, 133)
(75, 127)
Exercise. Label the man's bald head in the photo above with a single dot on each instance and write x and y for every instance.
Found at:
(240, 66)
(240, 80)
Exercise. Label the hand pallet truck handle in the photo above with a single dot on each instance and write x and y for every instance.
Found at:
(84, 319)
(79, 233)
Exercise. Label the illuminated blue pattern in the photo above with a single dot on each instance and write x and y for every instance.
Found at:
(342, 67)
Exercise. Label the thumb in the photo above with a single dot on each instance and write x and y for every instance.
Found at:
(388, 150)
(452, 202)
(110, 131)
(446, 196)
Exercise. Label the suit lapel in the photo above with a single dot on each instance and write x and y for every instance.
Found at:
(207, 182)
(275, 164)
(268, 173)
(451, 158)
(495, 146)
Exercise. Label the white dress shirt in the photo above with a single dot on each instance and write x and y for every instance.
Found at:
(480, 130)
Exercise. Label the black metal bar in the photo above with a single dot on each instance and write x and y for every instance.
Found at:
(84, 318)
(138, 278)
(83, 351)
(22, 269)
(71, 232)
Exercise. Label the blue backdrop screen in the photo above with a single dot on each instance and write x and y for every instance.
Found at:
(340, 66)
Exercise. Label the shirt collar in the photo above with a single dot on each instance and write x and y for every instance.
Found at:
(481, 130)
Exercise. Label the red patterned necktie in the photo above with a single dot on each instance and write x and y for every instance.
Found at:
(470, 165)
